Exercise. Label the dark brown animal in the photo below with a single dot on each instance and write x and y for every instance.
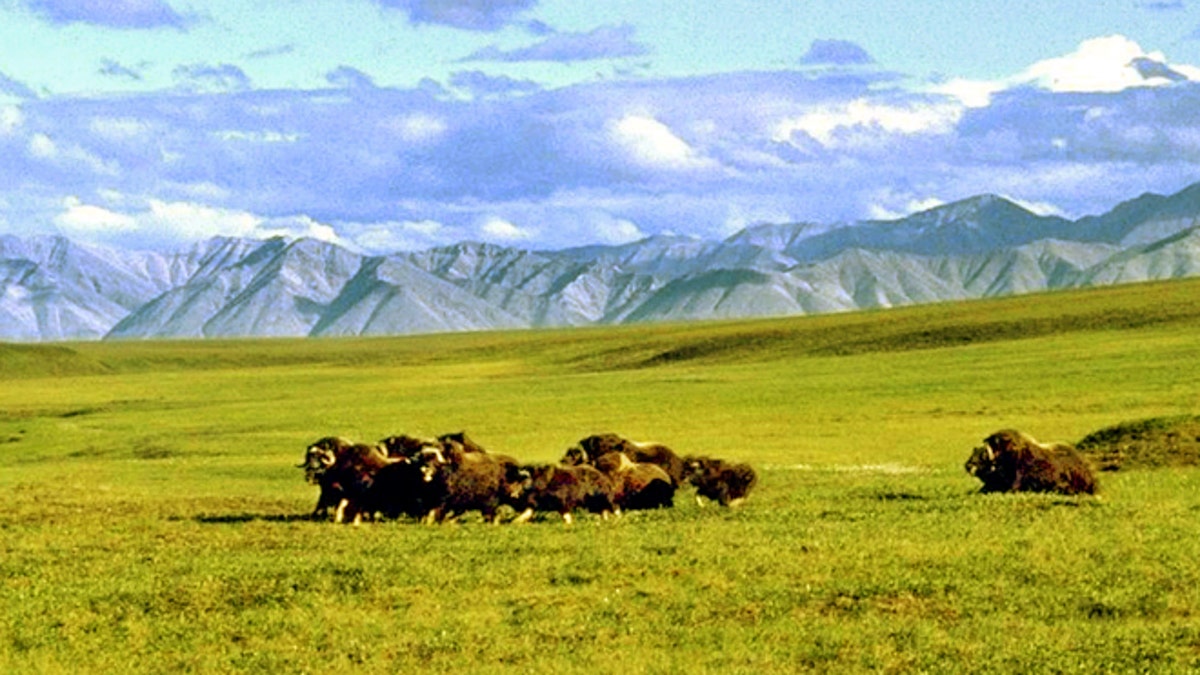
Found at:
(561, 489)
(466, 480)
(723, 482)
(592, 448)
(406, 446)
(400, 489)
(339, 466)
(637, 485)
(1012, 461)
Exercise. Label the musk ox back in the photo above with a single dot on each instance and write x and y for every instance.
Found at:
(637, 485)
(405, 446)
(723, 482)
(1013, 461)
(561, 489)
(592, 448)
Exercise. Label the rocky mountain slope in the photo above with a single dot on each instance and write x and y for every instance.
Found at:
(52, 288)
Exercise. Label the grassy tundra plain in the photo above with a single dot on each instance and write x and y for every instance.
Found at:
(155, 520)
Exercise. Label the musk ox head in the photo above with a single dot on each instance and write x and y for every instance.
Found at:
(575, 456)
(322, 455)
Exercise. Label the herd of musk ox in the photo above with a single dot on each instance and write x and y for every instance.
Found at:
(443, 478)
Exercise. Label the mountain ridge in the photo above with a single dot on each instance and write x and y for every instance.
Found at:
(53, 288)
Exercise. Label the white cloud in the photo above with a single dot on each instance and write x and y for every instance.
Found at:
(498, 228)
(269, 136)
(882, 210)
(1104, 64)
(300, 227)
(44, 148)
(189, 221)
(835, 126)
(10, 118)
(41, 147)
(79, 219)
(417, 127)
(118, 129)
(1040, 208)
(650, 143)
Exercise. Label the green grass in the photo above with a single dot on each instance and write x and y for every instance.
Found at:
(155, 517)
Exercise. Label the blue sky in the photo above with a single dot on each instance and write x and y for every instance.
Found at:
(404, 124)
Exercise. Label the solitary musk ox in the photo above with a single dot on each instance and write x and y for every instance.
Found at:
(723, 482)
(1012, 461)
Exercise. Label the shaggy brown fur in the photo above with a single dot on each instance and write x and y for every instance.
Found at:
(406, 446)
(718, 480)
(637, 485)
(466, 480)
(342, 469)
(1013, 461)
(592, 448)
(561, 489)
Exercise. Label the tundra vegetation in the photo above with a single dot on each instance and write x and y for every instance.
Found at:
(155, 519)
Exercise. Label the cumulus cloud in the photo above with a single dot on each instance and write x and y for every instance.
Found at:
(606, 161)
(499, 229)
(473, 15)
(860, 120)
(10, 118)
(131, 14)
(650, 143)
(835, 53)
(605, 42)
(173, 223)
(1108, 64)
(389, 237)
(79, 219)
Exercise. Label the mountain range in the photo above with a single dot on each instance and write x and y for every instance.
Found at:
(53, 288)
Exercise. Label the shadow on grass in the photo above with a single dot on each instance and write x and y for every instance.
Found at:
(228, 518)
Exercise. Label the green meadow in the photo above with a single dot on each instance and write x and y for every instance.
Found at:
(156, 522)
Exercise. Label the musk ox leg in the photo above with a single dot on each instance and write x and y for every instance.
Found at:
(525, 516)
(700, 501)
(567, 518)
(735, 503)
(339, 516)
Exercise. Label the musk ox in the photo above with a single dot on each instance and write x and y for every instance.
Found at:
(404, 446)
(637, 485)
(592, 448)
(562, 489)
(398, 489)
(466, 480)
(723, 482)
(339, 466)
(1012, 461)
